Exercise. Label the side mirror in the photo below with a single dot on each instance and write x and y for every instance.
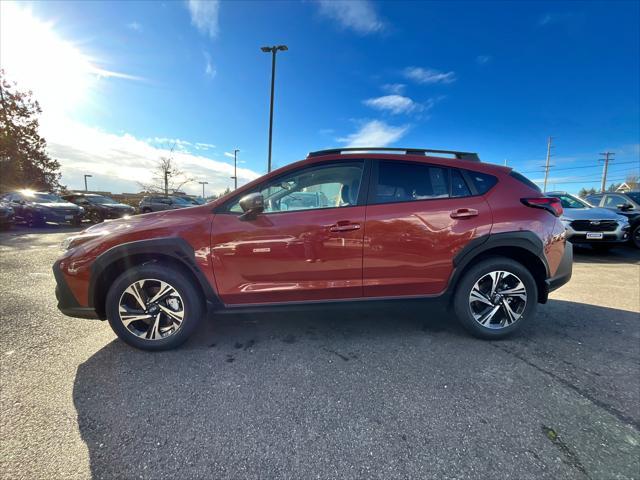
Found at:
(251, 205)
(625, 206)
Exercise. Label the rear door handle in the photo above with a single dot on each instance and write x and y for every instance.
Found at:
(464, 213)
(344, 227)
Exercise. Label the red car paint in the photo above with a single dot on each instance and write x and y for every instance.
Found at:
(355, 252)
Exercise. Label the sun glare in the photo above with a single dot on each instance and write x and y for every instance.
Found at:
(33, 54)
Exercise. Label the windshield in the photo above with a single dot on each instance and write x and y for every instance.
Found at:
(181, 200)
(635, 196)
(569, 201)
(43, 198)
(100, 199)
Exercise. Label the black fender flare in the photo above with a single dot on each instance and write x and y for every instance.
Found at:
(176, 248)
(523, 239)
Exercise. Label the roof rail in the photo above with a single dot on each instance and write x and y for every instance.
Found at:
(406, 151)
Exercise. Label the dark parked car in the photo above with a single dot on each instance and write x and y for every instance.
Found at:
(157, 203)
(6, 215)
(37, 208)
(586, 224)
(98, 208)
(391, 225)
(627, 204)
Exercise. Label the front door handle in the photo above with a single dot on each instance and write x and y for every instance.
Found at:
(344, 227)
(464, 213)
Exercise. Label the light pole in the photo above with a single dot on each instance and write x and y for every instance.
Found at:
(85, 182)
(235, 169)
(273, 51)
(203, 184)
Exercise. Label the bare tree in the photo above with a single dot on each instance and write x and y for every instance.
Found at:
(167, 177)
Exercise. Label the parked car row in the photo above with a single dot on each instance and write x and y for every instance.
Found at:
(37, 208)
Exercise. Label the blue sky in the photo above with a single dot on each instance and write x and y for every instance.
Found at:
(492, 77)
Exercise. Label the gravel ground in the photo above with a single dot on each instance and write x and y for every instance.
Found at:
(378, 392)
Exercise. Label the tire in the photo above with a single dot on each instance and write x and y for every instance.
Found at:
(146, 210)
(635, 236)
(32, 221)
(156, 323)
(470, 312)
(95, 217)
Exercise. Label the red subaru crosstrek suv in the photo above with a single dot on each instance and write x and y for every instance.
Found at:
(341, 225)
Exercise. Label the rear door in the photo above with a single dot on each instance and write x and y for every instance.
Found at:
(418, 217)
(306, 245)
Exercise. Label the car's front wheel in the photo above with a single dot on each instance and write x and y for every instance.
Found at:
(153, 307)
(495, 297)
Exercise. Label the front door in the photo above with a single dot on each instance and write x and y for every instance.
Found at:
(306, 245)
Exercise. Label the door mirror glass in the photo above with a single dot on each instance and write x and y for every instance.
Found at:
(252, 205)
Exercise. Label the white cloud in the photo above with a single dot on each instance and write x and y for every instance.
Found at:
(204, 15)
(119, 161)
(483, 59)
(394, 104)
(375, 133)
(394, 88)
(357, 15)
(428, 75)
(204, 146)
(135, 26)
(209, 69)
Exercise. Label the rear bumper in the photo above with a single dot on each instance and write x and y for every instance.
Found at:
(67, 303)
(565, 269)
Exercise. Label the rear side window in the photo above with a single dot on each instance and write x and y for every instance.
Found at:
(459, 187)
(525, 180)
(405, 181)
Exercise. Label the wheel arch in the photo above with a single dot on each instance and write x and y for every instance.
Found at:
(523, 246)
(173, 251)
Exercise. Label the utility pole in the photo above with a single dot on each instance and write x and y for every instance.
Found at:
(273, 51)
(547, 166)
(203, 184)
(85, 182)
(235, 168)
(607, 156)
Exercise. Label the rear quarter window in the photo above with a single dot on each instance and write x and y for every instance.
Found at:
(482, 181)
(521, 178)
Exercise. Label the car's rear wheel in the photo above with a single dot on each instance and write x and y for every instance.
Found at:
(635, 236)
(95, 216)
(495, 298)
(153, 307)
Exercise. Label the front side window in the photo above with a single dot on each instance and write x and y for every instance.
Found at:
(323, 186)
(612, 201)
(404, 182)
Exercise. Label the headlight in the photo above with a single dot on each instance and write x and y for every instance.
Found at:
(81, 209)
(623, 220)
(565, 220)
(77, 240)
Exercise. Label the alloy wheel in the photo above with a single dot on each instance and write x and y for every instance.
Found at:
(151, 309)
(498, 299)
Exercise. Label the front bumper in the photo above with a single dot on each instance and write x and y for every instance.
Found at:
(619, 235)
(564, 271)
(55, 217)
(67, 303)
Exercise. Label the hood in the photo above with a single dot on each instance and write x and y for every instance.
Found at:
(115, 205)
(56, 205)
(589, 214)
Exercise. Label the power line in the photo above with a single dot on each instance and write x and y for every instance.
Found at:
(578, 168)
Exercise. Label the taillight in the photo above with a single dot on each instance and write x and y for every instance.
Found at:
(550, 204)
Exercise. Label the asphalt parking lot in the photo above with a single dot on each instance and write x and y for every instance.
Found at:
(381, 392)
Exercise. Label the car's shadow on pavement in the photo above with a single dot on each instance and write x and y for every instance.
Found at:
(328, 392)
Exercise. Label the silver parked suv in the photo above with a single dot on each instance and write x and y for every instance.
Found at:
(156, 203)
(599, 227)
